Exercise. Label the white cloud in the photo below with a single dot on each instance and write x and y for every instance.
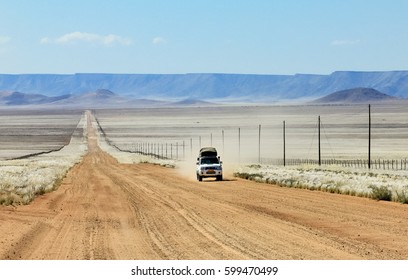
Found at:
(344, 42)
(111, 39)
(45, 40)
(158, 41)
(77, 37)
(4, 40)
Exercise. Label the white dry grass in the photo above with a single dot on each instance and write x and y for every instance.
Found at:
(376, 184)
(22, 179)
(128, 157)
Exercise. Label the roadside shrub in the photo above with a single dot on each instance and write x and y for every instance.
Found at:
(3, 200)
(9, 199)
(256, 166)
(378, 185)
(40, 191)
(333, 189)
(380, 193)
(270, 180)
(290, 183)
(255, 177)
(401, 197)
(249, 176)
(350, 192)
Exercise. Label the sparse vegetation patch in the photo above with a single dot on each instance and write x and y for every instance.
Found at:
(379, 185)
(23, 179)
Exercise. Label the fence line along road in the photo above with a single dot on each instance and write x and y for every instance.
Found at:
(386, 164)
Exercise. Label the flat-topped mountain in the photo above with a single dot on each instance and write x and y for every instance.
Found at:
(208, 87)
(117, 90)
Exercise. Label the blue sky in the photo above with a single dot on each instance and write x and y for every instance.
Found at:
(175, 36)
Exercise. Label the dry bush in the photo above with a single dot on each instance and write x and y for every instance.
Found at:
(379, 185)
(402, 196)
(380, 193)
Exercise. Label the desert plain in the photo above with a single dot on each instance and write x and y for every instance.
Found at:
(116, 205)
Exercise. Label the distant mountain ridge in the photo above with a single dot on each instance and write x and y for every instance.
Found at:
(208, 87)
(101, 98)
(92, 98)
(355, 95)
(20, 98)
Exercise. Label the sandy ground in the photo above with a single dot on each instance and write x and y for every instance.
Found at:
(107, 210)
(30, 131)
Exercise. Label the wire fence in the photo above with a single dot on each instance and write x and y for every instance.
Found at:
(266, 144)
(178, 151)
(385, 164)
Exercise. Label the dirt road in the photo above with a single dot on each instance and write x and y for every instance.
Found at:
(107, 210)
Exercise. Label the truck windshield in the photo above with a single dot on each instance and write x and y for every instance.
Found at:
(209, 161)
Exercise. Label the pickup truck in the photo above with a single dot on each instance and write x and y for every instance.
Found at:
(209, 164)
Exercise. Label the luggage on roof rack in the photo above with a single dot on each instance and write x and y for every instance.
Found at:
(208, 152)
